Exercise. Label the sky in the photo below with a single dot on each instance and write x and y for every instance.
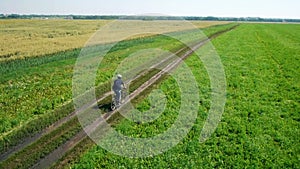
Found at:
(219, 8)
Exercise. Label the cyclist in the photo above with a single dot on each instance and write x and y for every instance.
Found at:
(117, 88)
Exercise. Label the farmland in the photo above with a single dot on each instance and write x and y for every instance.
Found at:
(22, 81)
(259, 127)
(260, 124)
(21, 39)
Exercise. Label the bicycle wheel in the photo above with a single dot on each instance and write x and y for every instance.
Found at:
(113, 104)
(124, 95)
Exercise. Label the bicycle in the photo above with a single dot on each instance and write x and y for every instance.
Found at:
(114, 104)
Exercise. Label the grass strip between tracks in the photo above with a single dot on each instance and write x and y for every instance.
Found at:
(38, 125)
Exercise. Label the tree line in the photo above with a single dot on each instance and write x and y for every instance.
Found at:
(148, 18)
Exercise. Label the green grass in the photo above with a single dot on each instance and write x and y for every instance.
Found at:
(41, 148)
(34, 90)
(260, 125)
(32, 96)
(34, 86)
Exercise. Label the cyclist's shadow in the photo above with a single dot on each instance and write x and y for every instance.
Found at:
(104, 107)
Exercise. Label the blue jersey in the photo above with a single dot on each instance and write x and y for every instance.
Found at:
(117, 84)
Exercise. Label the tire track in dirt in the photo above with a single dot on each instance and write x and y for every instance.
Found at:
(171, 62)
(58, 153)
(29, 140)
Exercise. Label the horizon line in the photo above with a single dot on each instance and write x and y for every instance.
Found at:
(145, 15)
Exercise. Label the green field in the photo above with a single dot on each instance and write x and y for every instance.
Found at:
(34, 86)
(259, 127)
(36, 92)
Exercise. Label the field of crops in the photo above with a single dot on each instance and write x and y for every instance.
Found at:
(21, 39)
(259, 127)
(34, 86)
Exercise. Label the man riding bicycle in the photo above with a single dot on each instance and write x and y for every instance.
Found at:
(117, 88)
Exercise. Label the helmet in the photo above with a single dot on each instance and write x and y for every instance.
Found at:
(119, 76)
